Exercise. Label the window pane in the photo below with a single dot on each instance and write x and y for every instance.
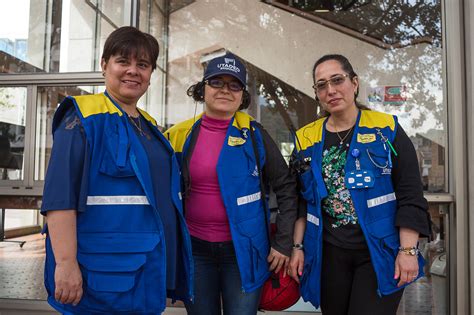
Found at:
(12, 132)
(152, 22)
(48, 99)
(397, 56)
(57, 36)
(17, 218)
(154, 100)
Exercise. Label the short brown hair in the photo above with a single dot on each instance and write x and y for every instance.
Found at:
(130, 41)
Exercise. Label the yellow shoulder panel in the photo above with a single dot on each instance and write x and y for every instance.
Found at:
(310, 134)
(147, 116)
(373, 119)
(242, 120)
(96, 104)
(178, 134)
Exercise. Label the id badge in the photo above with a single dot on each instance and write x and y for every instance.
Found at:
(358, 179)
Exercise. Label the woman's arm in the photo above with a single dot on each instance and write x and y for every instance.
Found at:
(283, 183)
(61, 198)
(67, 276)
(412, 207)
(406, 265)
(297, 255)
(412, 214)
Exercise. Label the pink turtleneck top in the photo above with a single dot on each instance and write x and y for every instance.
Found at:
(206, 215)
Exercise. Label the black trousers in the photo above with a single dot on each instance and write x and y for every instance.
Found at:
(349, 284)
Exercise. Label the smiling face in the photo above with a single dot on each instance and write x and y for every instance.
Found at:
(126, 78)
(222, 103)
(336, 99)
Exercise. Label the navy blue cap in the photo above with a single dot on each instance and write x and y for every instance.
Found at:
(227, 64)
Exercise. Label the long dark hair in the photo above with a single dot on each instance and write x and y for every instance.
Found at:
(347, 67)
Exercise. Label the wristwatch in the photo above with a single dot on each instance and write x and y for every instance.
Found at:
(412, 251)
(298, 246)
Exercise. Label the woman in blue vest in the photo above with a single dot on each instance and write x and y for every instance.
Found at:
(364, 201)
(224, 154)
(117, 242)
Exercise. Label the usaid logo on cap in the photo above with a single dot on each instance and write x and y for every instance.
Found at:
(228, 65)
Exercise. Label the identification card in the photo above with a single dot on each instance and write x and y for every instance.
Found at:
(358, 179)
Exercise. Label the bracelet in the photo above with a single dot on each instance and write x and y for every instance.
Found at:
(412, 251)
(298, 246)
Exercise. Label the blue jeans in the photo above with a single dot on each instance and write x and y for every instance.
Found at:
(216, 278)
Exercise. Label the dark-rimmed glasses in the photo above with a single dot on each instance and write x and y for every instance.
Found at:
(336, 80)
(216, 83)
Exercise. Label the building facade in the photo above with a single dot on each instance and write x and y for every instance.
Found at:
(414, 59)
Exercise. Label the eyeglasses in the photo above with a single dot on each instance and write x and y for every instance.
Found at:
(336, 80)
(233, 86)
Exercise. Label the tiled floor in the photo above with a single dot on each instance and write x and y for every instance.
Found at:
(22, 269)
(21, 277)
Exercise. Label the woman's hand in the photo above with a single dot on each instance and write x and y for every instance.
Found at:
(68, 282)
(67, 275)
(295, 269)
(406, 268)
(277, 261)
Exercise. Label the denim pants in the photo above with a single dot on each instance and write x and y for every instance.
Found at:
(216, 279)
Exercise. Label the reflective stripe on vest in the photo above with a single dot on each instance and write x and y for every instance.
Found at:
(381, 200)
(248, 199)
(116, 200)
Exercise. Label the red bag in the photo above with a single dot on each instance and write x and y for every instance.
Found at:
(279, 293)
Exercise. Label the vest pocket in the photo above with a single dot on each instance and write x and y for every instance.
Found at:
(384, 241)
(310, 279)
(258, 250)
(114, 273)
(109, 167)
(115, 161)
(378, 158)
(383, 227)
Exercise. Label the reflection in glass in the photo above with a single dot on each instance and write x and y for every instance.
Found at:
(48, 99)
(400, 68)
(152, 21)
(395, 47)
(395, 23)
(57, 36)
(12, 132)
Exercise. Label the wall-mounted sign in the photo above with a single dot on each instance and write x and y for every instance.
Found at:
(387, 95)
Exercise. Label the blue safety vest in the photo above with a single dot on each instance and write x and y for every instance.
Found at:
(374, 201)
(240, 190)
(120, 239)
